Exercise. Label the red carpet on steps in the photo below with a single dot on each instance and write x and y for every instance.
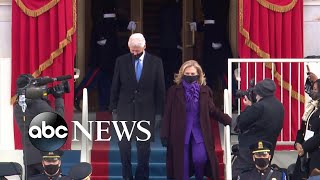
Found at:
(218, 148)
(100, 150)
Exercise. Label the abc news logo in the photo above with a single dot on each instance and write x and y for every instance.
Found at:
(48, 131)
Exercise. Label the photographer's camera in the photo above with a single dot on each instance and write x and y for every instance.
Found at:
(249, 92)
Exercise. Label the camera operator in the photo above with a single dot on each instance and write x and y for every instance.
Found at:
(31, 156)
(262, 120)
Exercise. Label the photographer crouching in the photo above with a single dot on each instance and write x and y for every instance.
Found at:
(32, 100)
(262, 120)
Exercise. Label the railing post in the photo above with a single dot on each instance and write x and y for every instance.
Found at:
(84, 140)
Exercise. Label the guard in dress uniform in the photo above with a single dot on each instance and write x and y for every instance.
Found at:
(81, 171)
(103, 53)
(216, 47)
(261, 157)
(170, 39)
(51, 162)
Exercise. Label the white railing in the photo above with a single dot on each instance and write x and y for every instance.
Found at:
(85, 155)
(287, 62)
(314, 67)
(227, 145)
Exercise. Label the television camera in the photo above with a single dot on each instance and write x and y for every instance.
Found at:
(249, 92)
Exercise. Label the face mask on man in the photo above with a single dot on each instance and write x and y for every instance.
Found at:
(51, 169)
(314, 95)
(190, 79)
(137, 56)
(261, 162)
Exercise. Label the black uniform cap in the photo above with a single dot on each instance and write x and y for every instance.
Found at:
(10, 168)
(260, 146)
(80, 171)
(55, 154)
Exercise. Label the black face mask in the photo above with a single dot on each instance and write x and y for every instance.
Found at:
(137, 56)
(261, 162)
(314, 95)
(190, 79)
(51, 169)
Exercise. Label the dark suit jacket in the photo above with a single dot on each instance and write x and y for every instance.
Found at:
(312, 145)
(31, 155)
(261, 121)
(138, 100)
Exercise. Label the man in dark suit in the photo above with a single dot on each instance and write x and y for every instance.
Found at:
(137, 93)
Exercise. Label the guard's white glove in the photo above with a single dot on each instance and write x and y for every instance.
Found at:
(193, 26)
(132, 26)
(102, 42)
(216, 45)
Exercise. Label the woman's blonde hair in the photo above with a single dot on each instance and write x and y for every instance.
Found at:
(184, 66)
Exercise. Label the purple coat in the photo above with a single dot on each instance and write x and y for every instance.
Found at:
(174, 129)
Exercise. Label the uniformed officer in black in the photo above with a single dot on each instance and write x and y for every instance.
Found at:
(104, 49)
(261, 157)
(216, 47)
(170, 39)
(51, 162)
(81, 171)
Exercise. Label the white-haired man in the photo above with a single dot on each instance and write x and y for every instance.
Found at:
(137, 93)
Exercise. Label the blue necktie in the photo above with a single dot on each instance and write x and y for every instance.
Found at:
(138, 69)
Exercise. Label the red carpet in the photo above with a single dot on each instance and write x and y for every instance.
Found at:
(218, 148)
(99, 153)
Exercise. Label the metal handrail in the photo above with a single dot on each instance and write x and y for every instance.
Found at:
(227, 141)
(84, 157)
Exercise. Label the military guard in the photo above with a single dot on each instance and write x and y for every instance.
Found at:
(51, 162)
(261, 157)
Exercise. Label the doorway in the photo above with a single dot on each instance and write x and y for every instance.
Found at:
(147, 14)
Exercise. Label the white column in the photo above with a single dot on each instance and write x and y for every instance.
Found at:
(311, 27)
(6, 118)
(311, 34)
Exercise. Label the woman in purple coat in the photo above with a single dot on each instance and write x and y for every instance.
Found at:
(187, 125)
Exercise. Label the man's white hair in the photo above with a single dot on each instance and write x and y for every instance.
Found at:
(136, 40)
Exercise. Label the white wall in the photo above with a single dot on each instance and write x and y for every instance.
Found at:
(312, 33)
(311, 27)
(6, 118)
